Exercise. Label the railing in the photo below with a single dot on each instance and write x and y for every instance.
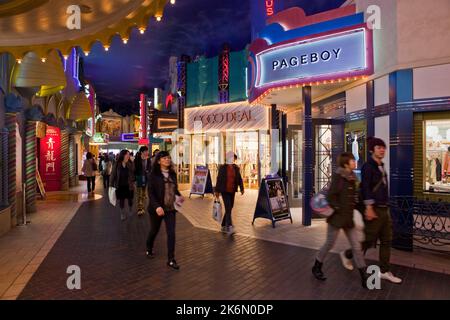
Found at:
(428, 222)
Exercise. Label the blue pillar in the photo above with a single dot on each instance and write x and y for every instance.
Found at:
(308, 156)
(370, 113)
(402, 156)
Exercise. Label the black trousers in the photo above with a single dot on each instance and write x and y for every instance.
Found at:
(90, 183)
(155, 224)
(228, 201)
(106, 181)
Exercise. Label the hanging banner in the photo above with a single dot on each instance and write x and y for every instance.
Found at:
(50, 159)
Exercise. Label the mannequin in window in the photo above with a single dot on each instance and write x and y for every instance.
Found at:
(446, 166)
(355, 149)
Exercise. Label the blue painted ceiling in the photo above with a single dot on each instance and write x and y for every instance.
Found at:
(191, 27)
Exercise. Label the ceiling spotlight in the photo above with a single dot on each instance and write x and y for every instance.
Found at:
(172, 1)
(125, 40)
(106, 48)
(66, 57)
(19, 61)
(142, 30)
(158, 18)
(43, 60)
(86, 53)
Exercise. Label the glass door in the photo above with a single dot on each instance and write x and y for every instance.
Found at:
(246, 148)
(295, 161)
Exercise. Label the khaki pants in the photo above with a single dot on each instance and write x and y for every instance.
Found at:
(380, 228)
(141, 197)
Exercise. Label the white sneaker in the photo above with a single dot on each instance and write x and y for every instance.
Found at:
(346, 262)
(390, 277)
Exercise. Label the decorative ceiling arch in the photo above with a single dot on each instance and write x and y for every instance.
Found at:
(41, 25)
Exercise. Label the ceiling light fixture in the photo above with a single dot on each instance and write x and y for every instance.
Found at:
(158, 18)
(125, 40)
(172, 1)
(43, 60)
(142, 30)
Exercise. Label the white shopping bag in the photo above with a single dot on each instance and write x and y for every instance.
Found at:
(217, 210)
(112, 196)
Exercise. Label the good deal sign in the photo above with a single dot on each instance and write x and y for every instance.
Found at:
(328, 57)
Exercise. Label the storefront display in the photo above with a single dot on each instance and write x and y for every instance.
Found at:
(437, 156)
(236, 127)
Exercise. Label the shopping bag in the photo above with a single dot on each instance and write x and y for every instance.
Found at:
(217, 210)
(178, 202)
(358, 220)
(319, 204)
(112, 196)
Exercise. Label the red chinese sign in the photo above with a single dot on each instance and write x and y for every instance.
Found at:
(50, 159)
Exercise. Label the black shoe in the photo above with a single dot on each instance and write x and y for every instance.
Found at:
(364, 277)
(317, 271)
(150, 254)
(173, 264)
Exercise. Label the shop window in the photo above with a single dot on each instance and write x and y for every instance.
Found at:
(355, 141)
(437, 156)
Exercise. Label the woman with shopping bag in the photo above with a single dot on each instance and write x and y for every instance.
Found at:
(342, 198)
(122, 180)
(228, 180)
(164, 197)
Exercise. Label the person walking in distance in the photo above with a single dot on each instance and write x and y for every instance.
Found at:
(107, 169)
(342, 197)
(377, 218)
(228, 180)
(163, 195)
(142, 168)
(155, 152)
(89, 168)
(122, 178)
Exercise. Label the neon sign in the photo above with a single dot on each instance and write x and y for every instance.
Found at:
(340, 54)
(270, 7)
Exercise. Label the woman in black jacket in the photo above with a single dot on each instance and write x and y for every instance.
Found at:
(228, 180)
(163, 195)
(122, 178)
(343, 198)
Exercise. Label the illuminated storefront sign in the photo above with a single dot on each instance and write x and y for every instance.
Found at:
(234, 117)
(143, 114)
(328, 57)
(269, 7)
(50, 159)
(100, 139)
(130, 137)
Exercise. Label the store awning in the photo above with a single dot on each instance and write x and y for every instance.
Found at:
(47, 76)
(80, 109)
(41, 25)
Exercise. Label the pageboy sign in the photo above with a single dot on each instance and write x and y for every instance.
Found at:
(336, 55)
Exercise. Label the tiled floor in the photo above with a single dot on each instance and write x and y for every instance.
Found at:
(198, 211)
(24, 248)
(110, 254)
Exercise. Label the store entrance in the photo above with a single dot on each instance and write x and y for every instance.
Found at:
(245, 146)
